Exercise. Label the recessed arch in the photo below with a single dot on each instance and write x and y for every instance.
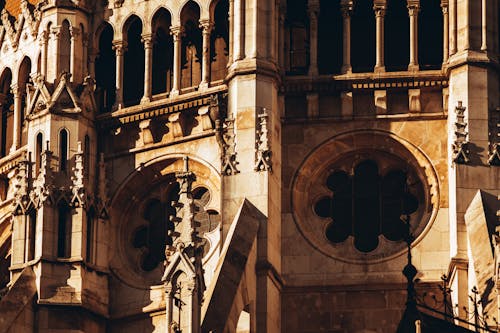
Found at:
(297, 37)
(219, 41)
(63, 149)
(430, 35)
(64, 51)
(163, 47)
(133, 61)
(191, 53)
(363, 37)
(105, 69)
(397, 36)
(23, 79)
(7, 118)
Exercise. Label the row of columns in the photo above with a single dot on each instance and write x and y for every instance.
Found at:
(379, 9)
(147, 39)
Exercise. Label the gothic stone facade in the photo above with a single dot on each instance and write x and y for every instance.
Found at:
(246, 165)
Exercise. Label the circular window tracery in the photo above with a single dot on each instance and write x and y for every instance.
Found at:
(351, 194)
(366, 205)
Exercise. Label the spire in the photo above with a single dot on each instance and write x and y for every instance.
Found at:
(411, 317)
(184, 282)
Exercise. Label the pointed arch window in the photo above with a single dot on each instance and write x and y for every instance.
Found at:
(133, 70)
(64, 48)
(105, 70)
(38, 153)
(297, 39)
(163, 46)
(219, 42)
(63, 150)
(191, 46)
(31, 234)
(6, 104)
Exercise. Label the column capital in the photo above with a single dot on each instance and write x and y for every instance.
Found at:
(313, 8)
(413, 7)
(147, 40)
(379, 8)
(119, 46)
(74, 32)
(177, 31)
(43, 37)
(206, 25)
(346, 7)
(55, 31)
(16, 90)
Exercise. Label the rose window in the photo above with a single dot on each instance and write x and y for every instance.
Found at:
(366, 205)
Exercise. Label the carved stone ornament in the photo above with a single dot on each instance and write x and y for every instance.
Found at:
(43, 188)
(263, 151)
(460, 146)
(77, 187)
(226, 140)
(22, 182)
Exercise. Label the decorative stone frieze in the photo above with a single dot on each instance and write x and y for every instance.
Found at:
(22, 186)
(78, 195)
(263, 150)
(44, 185)
(460, 146)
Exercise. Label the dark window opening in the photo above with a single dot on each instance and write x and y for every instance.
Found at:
(219, 42)
(297, 39)
(163, 47)
(191, 55)
(63, 150)
(363, 37)
(133, 70)
(397, 36)
(330, 37)
(31, 234)
(7, 105)
(430, 35)
(23, 80)
(63, 230)
(366, 205)
(105, 71)
(91, 237)
(64, 48)
(4, 266)
(38, 153)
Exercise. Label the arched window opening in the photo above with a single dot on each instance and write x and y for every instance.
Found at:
(363, 37)
(23, 80)
(63, 230)
(63, 150)
(31, 234)
(163, 47)
(7, 108)
(4, 266)
(38, 153)
(64, 48)
(191, 46)
(430, 35)
(105, 70)
(397, 36)
(330, 37)
(297, 37)
(133, 72)
(91, 240)
(219, 42)
(39, 63)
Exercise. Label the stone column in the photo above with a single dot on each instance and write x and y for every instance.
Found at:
(484, 28)
(413, 9)
(92, 56)
(56, 32)
(44, 38)
(147, 39)
(346, 8)
(231, 33)
(16, 130)
(446, 30)
(239, 30)
(85, 45)
(74, 33)
(207, 27)
(119, 46)
(453, 27)
(379, 9)
(313, 9)
(176, 32)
